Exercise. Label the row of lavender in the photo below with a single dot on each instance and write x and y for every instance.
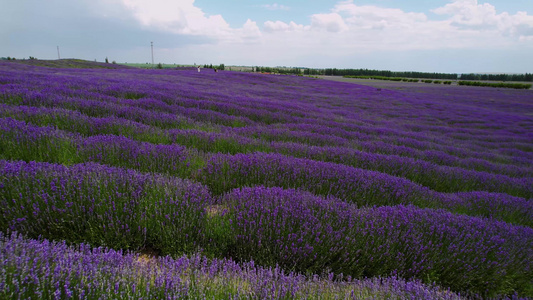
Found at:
(312, 135)
(47, 270)
(439, 178)
(102, 206)
(295, 230)
(258, 138)
(222, 172)
(156, 94)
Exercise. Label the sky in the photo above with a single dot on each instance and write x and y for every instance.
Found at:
(452, 36)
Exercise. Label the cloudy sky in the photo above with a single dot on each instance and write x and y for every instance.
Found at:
(419, 35)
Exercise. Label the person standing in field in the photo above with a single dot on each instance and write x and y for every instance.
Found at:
(198, 69)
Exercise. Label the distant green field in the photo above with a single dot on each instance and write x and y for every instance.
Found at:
(150, 66)
(68, 63)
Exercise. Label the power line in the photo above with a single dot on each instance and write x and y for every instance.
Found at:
(152, 45)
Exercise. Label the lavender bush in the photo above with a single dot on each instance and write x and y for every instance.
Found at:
(51, 270)
(29, 142)
(303, 232)
(359, 186)
(102, 206)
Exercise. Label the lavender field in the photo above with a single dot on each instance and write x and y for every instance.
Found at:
(122, 183)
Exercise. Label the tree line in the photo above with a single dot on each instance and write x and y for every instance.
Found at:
(279, 70)
(219, 67)
(392, 74)
(496, 85)
(381, 73)
(498, 77)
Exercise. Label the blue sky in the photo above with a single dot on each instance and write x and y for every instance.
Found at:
(300, 10)
(419, 35)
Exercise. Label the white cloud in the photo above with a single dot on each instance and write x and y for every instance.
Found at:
(273, 26)
(276, 6)
(178, 16)
(183, 17)
(351, 26)
(249, 32)
(332, 22)
(469, 14)
(370, 17)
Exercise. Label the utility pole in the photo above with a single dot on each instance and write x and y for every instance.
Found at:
(58, 57)
(152, 44)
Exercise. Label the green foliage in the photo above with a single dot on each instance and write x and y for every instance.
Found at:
(211, 66)
(219, 233)
(448, 76)
(279, 70)
(379, 73)
(496, 85)
(104, 207)
(66, 150)
(377, 78)
(175, 224)
(498, 77)
(14, 145)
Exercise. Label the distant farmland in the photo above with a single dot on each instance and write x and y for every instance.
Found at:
(244, 185)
